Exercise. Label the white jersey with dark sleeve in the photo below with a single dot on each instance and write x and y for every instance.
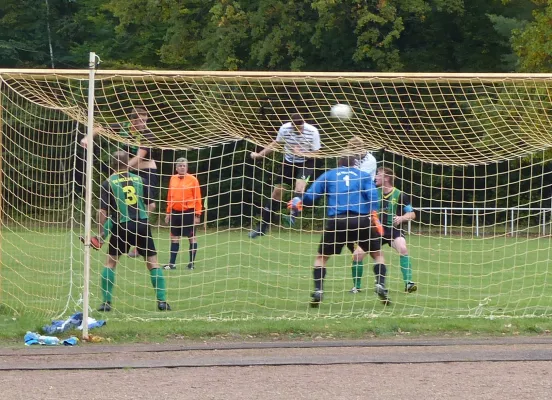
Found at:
(367, 164)
(308, 141)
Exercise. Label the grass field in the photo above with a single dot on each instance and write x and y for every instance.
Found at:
(265, 285)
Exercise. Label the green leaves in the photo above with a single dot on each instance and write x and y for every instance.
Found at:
(301, 35)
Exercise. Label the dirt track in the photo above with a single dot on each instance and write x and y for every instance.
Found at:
(408, 369)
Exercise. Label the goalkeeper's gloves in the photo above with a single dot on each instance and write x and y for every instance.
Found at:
(376, 224)
(96, 242)
(295, 204)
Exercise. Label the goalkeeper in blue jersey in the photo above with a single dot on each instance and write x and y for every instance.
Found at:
(351, 201)
(396, 209)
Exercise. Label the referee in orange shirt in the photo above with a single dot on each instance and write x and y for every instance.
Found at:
(184, 209)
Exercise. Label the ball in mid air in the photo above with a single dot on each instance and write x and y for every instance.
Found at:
(341, 111)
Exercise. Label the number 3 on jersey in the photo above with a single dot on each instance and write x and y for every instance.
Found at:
(131, 197)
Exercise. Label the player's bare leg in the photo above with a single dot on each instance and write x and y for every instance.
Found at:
(300, 187)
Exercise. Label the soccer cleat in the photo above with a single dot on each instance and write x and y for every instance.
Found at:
(256, 233)
(105, 307)
(288, 220)
(169, 266)
(133, 253)
(410, 287)
(96, 242)
(190, 266)
(355, 290)
(163, 306)
(316, 298)
(383, 294)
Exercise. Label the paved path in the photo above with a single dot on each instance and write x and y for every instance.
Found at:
(513, 368)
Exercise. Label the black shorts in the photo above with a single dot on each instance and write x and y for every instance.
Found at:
(150, 177)
(131, 233)
(390, 234)
(182, 223)
(347, 230)
(291, 172)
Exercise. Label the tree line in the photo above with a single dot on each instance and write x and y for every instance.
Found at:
(278, 35)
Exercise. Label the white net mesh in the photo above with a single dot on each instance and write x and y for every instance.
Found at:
(471, 151)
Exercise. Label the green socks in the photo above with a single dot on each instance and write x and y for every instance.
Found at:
(108, 280)
(406, 268)
(108, 224)
(158, 283)
(357, 270)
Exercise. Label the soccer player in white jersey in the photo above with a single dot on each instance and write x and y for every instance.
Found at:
(300, 141)
(365, 162)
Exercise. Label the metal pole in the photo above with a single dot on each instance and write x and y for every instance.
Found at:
(445, 222)
(512, 223)
(477, 222)
(88, 197)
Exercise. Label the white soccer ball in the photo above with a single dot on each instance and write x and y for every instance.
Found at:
(342, 111)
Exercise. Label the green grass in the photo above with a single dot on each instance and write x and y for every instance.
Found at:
(244, 288)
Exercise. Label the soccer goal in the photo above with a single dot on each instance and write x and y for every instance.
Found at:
(471, 151)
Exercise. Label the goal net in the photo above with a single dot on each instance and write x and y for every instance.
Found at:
(472, 152)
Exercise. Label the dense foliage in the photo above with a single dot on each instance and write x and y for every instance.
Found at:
(301, 35)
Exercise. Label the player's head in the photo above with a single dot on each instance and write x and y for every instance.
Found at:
(355, 143)
(355, 147)
(119, 161)
(346, 161)
(385, 177)
(297, 122)
(139, 117)
(181, 166)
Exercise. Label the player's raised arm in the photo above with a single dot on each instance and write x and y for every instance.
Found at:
(264, 152)
(316, 190)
